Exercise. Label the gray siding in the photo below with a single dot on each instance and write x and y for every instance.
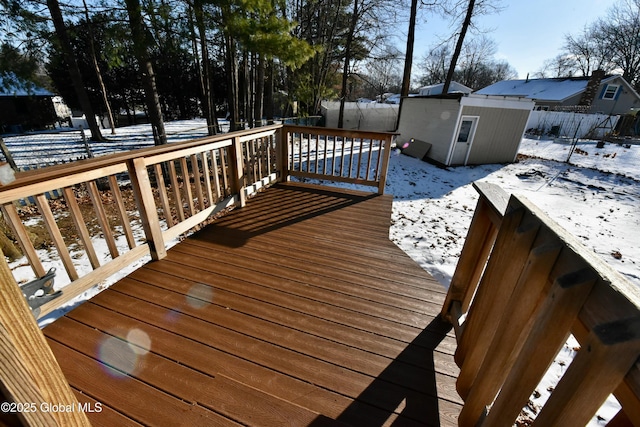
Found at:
(624, 102)
(498, 134)
(431, 120)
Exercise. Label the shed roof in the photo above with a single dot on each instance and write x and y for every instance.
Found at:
(436, 89)
(12, 85)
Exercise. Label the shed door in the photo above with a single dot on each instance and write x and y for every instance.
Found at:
(464, 138)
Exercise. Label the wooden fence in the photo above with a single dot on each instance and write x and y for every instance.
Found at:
(522, 285)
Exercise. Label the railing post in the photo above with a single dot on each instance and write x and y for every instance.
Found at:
(477, 246)
(282, 153)
(29, 372)
(610, 350)
(386, 152)
(237, 170)
(147, 205)
(551, 326)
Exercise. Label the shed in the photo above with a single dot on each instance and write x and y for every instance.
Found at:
(24, 106)
(462, 130)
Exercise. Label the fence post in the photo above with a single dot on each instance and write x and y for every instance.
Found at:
(29, 372)
(7, 155)
(237, 170)
(148, 212)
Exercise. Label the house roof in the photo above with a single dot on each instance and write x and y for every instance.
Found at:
(11, 85)
(556, 89)
(436, 89)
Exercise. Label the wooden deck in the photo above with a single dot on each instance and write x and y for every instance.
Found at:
(295, 310)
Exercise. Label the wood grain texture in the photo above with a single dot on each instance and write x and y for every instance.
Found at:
(295, 310)
(28, 369)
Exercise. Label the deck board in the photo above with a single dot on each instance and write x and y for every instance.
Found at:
(295, 310)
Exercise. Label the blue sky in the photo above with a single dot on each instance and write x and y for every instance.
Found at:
(527, 32)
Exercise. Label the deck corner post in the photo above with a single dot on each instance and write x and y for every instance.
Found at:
(386, 153)
(29, 372)
(237, 170)
(475, 252)
(282, 152)
(148, 213)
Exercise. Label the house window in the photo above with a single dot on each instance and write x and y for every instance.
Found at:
(610, 92)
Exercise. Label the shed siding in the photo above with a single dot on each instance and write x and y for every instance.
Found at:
(432, 120)
(498, 134)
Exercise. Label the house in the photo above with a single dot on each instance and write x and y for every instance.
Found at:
(436, 89)
(24, 106)
(607, 94)
(462, 130)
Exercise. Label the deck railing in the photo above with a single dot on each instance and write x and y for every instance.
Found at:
(355, 157)
(166, 191)
(522, 285)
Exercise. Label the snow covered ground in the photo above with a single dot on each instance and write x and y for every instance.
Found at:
(596, 196)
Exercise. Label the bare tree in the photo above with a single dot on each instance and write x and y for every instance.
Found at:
(383, 71)
(74, 70)
(620, 32)
(562, 65)
(408, 56)
(456, 52)
(147, 73)
(96, 67)
(588, 51)
(473, 8)
(209, 107)
(434, 65)
(476, 67)
(360, 38)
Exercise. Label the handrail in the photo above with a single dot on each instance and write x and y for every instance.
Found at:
(356, 157)
(189, 181)
(522, 285)
(166, 190)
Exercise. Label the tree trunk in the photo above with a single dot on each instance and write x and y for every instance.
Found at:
(232, 76)
(408, 56)
(258, 109)
(456, 52)
(146, 71)
(96, 67)
(347, 60)
(74, 71)
(247, 90)
(268, 92)
(208, 104)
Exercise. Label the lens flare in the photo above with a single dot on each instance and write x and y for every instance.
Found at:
(118, 356)
(199, 295)
(122, 357)
(139, 341)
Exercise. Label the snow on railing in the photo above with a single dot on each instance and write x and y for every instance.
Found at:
(522, 285)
